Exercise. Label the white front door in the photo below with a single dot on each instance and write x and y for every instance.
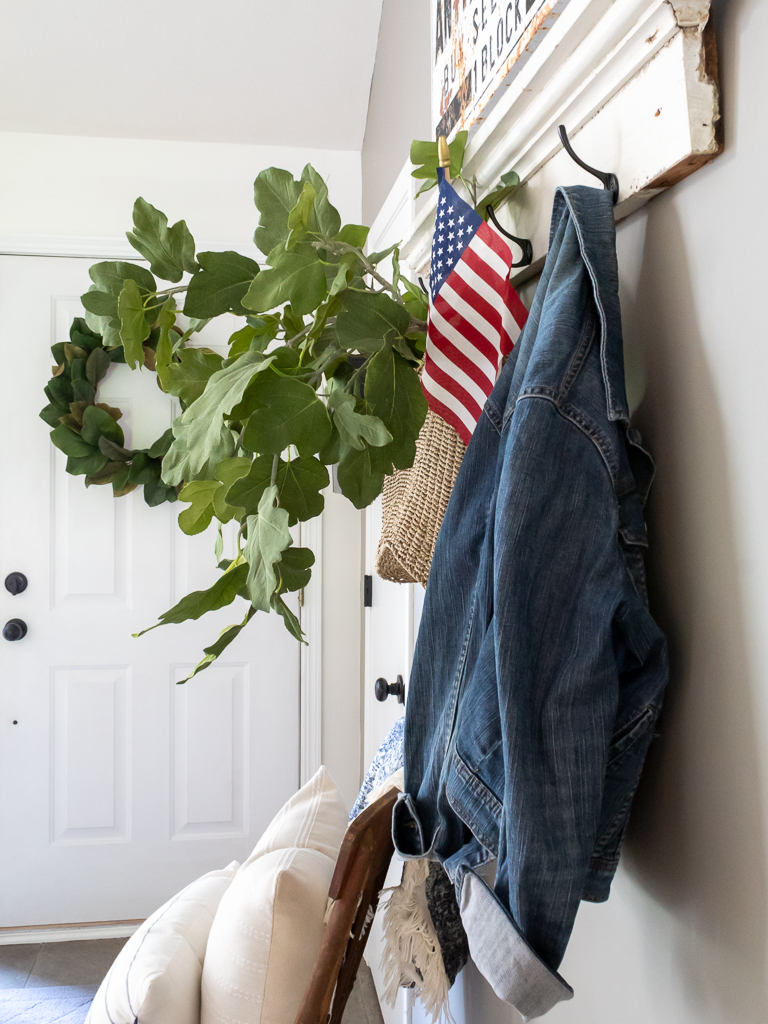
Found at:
(117, 786)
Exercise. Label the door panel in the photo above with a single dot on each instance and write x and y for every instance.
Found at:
(117, 786)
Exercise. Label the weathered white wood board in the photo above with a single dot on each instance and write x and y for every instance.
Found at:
(634, 82)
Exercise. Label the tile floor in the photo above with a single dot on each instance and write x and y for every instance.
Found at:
(57, 964)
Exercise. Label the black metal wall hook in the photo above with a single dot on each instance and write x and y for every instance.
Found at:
(608, 178)
(524, 243)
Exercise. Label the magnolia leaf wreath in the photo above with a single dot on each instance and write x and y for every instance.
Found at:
(322, 371)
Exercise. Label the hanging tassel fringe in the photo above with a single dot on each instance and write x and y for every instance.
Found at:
(412, 952)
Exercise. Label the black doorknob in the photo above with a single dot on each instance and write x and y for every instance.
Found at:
(383, 689)
(15, 629)
(16, 583)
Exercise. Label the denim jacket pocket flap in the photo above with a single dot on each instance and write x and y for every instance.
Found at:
(477, 805)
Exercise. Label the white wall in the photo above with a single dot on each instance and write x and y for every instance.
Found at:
(684, 936)
(399, 107)
(83, 188)
(71, 185)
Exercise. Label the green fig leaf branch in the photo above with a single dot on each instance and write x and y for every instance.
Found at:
(321, 370)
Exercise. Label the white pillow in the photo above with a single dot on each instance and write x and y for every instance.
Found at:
(269, 925)
(156, 976)
(315, 818)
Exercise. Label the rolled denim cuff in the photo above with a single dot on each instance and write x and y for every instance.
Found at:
(514, 971)
(407, 833)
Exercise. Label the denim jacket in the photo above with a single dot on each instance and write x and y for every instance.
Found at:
(538, 672)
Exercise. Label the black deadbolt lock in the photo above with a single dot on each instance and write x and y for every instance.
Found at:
(383, 689)
(16, 583)
(15, 629)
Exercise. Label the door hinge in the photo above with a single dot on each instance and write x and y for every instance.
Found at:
(367, 591)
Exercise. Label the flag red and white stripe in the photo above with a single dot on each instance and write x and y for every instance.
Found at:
(475, 316)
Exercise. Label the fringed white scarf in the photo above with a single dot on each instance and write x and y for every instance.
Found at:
(412, 955)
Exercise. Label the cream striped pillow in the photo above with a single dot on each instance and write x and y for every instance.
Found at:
(269, 925)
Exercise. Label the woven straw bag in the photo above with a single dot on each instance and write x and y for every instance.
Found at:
(414, 503)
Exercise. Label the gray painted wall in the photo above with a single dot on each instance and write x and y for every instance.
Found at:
(398, 111)
(684, 937)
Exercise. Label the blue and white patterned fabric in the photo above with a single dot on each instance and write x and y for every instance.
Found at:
(387, 761)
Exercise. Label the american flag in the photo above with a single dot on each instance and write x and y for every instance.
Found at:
(475, 315)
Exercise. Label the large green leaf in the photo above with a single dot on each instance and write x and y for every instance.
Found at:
(256, 334)
(53, 413)
(80, 334)
(59, 390)
(170, 251)
(98, 423)
(225, 638)
(166, 319)
(156, 492)
(198, 516)
(88, 465)
(290, 413)
(187, 378)
(369, 321)
(134, 327)
(201, 438)
(110, 276)
(295, 569)
(297, 277)
(292, 624)
(299, 483)
(268, 537)
(144, 469)
(220, 284)
(416, 301)
(96, 366)
(353, 234)
(71, 444)
(101, 304)
(101, 301)
(247, 491)
(160, 447)
(393, 393)
(353, 427)
(109, 472)
(361, 474)
(275, 193)
(227, 473)
(326, 219)
(299, 217)
(223, 592)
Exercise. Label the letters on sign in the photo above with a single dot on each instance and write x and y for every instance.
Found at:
(476, 46)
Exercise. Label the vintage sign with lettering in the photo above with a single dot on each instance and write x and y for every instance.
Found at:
(476, 46)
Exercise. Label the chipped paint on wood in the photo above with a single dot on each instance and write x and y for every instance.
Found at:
(690, 13)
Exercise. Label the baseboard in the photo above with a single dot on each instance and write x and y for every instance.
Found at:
(68, 932)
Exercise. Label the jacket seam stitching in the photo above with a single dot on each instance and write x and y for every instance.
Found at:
(458, 678)
(598, 299)
(590, 430)
(579, 357)
(477, 830)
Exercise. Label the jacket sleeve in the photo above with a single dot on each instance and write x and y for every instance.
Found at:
(559, 580)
